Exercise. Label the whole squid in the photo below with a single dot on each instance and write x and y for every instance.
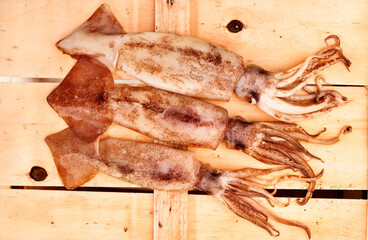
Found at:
(165, 168)
(196, 68)
(88, 103)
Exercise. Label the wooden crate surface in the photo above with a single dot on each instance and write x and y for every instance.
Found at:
(93, 215)
(278, 35)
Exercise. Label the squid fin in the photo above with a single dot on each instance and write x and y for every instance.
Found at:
(102, 22)
(69, 153)
(81, 99)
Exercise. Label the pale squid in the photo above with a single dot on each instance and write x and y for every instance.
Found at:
(88, 103)
(164, 168)
(196, 68)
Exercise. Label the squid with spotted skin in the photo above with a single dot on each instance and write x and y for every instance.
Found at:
(196, 68)
(164, 168)
(88, 102)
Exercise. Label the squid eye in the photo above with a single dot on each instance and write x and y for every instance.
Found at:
(252, 100)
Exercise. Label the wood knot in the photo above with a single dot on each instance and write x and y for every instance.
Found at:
(38, 173)
(235, 26)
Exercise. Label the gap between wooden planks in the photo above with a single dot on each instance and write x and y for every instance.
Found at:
(76, 215)
(171, 208)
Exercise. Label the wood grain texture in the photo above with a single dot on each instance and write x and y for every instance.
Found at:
(172, 16)
(26, 119)
(37, 214)
(72, 215)
(170, 215)
(277, 35)
(30, 29)
(171, 208)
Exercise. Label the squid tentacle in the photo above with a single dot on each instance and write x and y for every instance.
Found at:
(291, 127)
(276, 180)
(275, 148)
(288, 147)
(321, 102)
(289, 117)
(244, 180)
(255, 194)
(271, 157)
(322, 54)
(242, 209)
(277, 93)
(242, 188)
(239, 196)
(278, 144)
(314, 64)
(311, 139)
(304, 168)
(296, 73)
(300, 134)
(307, 171)
(288, 140)
(285, 92)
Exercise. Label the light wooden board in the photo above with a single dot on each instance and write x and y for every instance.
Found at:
(170, 215)
(30, 29)
(93, 215)
(26, 119)
(171, 208)
(278, 35)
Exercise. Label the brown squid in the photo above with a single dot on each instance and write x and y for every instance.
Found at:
(89, 105)
(164, 168)
(196, 68)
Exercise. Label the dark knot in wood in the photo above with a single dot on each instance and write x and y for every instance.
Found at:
(38, 173)
(235, 26)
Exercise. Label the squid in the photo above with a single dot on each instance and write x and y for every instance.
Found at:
(164, 168)
(88, 102)
(195, 68)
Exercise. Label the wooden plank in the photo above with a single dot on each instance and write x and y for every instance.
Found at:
(26, 119)
(172, 16)
(171, 208)
(30, 29)
(91, 215)
(37, 214)
(170, 215)
(277, 35)
(322, 216)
